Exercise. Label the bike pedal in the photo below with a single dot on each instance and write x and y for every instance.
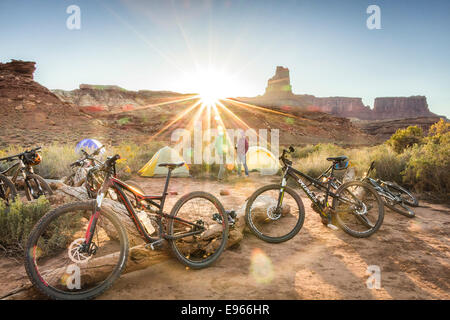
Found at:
(332, 226)
(158, 244)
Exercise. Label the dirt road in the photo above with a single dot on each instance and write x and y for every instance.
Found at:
(413, 257)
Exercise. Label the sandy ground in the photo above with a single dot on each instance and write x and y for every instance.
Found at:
(412, 255)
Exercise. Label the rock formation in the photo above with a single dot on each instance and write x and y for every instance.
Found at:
(401, 107)
(383, 129)
(19, 92)
(19, 68)
(280, 84)
(342, 106)
(279, 93)
(95, 98)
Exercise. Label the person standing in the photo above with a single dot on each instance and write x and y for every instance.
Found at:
(241, 152)
(221, 149)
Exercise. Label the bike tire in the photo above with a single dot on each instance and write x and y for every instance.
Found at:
(37, 179)
(212, 258)
(405, 211)
(343, 226)
(278, 239)
(411, 200)
(39, 228)
(9, 185)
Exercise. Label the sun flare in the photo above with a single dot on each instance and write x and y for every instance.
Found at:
(213, 85)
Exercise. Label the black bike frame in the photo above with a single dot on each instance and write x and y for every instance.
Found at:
(295, 174)
(119, 186)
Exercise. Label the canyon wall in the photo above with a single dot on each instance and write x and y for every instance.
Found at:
(401, 107)
(279, 93)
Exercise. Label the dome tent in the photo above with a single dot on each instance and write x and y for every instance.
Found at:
(164, 155)
(261, 159)
(88, 145)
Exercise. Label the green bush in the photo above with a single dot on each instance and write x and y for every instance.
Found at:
(429, 166)
(124, 121)
(134, 156)
(56, 160)
(404, 138)
(17, 221)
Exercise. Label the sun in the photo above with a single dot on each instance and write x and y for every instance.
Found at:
(212, 85)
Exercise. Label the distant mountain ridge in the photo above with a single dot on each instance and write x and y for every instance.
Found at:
(279, 93)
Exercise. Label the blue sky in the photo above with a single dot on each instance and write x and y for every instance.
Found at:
(159, 45)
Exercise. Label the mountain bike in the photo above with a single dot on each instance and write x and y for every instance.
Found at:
(81, 167)
(76, 251)
(395, 197)
(34, 185)
(275, 213)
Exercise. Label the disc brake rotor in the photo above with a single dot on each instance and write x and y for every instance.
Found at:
(74, 252)
(273, 212)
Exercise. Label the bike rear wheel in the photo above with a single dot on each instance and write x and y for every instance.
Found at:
(8, 191)
(36, 187)
(407, 199)
(58, 264)
(358, 209)
(195, 212)
(399, 207)
(274, 221)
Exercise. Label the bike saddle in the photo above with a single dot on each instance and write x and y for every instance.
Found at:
(340, 158)
(171, 165)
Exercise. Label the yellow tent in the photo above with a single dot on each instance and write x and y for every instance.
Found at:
(261, 159)
(164, 155)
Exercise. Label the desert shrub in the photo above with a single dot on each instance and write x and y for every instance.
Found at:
(302, 152)
(404, 138)
(389, 165)
(439, 128)
(134, 156)
(56, 160)
(124, 120)
(428, 168)
(315, 162)
(16, 222)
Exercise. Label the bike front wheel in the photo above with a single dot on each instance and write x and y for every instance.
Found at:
(8, 191)
(272, 220)
(198, 229)
(59, 264)
(36, 186)
(358, 209)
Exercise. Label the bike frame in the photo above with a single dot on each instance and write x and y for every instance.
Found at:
(383, 191)
(290, 172)
(20, 167)
(155, 200)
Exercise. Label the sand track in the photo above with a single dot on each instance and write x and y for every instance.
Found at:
(318, 263)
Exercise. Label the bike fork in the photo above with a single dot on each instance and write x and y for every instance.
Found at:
(93, 221)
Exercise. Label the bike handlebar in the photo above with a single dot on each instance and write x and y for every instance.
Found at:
(10, 158)
(111, 161)
(284, 153)
(87, 156)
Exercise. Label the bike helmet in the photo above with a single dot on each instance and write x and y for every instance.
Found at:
(33, 159)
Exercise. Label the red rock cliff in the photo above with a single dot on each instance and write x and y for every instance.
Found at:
(401, 107)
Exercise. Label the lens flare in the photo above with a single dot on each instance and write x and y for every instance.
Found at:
(261, 267)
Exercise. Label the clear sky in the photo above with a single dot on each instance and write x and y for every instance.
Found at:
(162, 45)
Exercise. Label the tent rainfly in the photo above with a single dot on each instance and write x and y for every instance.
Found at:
(164, 155)
(261, 159)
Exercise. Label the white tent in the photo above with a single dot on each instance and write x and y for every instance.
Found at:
(261, 159)
(164, 155)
